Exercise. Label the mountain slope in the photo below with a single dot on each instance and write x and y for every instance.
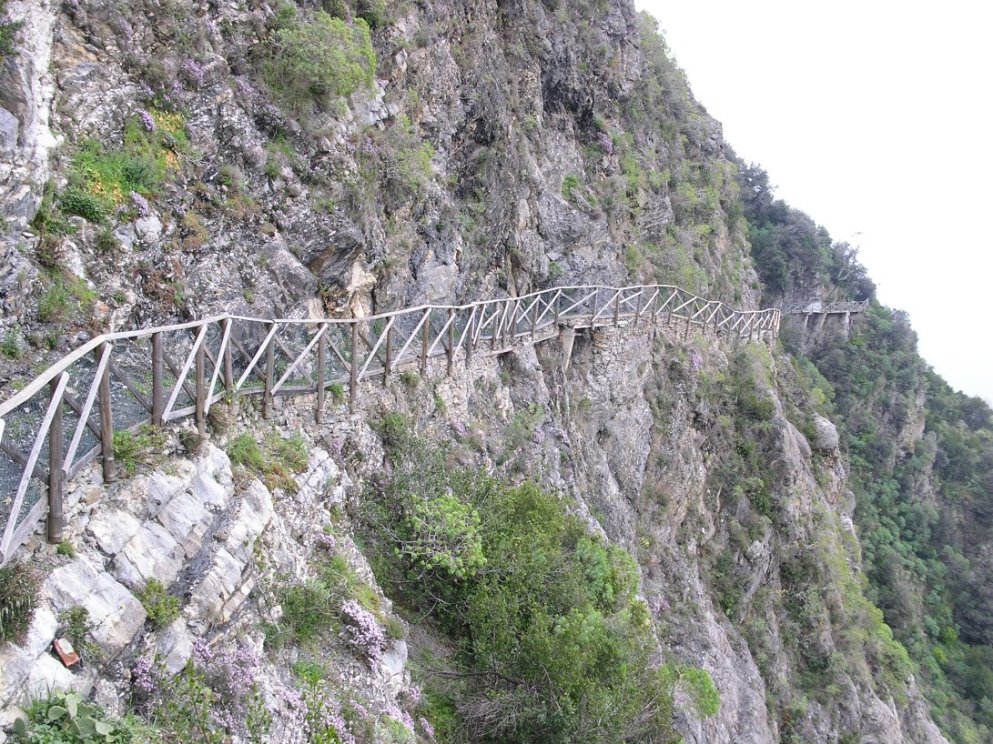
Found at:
(349, 157)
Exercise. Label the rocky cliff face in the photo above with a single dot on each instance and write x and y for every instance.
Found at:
(491, 148)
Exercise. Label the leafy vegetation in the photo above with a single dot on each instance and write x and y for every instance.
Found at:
(788, 245)
(162, 607)
(63, 297)
(320, 60)
(19, 587)
(216, 696)
(554, 645)
(923, 556)
(103, 180)
(275, 463)
(9, 31)
(12, 345)
(76, 626)
(140, 447)
(66, 718)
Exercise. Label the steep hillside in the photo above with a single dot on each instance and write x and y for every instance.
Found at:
(921, 461)
(695, 567)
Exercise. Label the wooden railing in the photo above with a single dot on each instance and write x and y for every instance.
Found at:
(67, 416)
(824, 308)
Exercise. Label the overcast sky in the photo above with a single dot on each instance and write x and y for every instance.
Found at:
(874, 117)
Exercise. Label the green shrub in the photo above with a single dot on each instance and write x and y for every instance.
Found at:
(397, 432)
(77, 627)
(54, 304)
(244, 450)
(49, 220)
(19, 586)
(9, 31)
(319, 61)
(545, 614)
(372, 12)
(162, 607)
(308, 612)
(102, 179)
(444, 536)
(569, 185)
(66, 718)
(700, 686)
(132, 449)
(337, 392)
(66, 548)
(290, 453)
(106, 241)
(75, 200)
(11, 346)
(275, 463)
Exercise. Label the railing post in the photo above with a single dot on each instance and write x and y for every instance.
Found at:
(270, 370)
(56, 482)
(353, 385)
(158, 401)
(470, 332)
(425, 340)
(388, 369)
(201, 391)
(596, 296)
(617, 309)
(228, 361)
(451, 339)
(322, 353)
(534, 318)
(106, 425)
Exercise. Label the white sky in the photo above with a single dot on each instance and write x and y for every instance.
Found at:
(875, 118)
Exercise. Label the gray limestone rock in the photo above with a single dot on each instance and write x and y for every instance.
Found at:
(174, 646)
(112, 529)
(152, 553)
(825, 435)
(115, 613)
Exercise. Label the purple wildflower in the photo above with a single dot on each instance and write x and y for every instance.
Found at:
(327, 541)
(363, 632)
(606, 143)
(696, 361)
(398, 714)
(140, 205)
(202, 653)
(413, 695)
(244, 87)
(147, 120)
(143, 675)
(426, 727)
(194, 72)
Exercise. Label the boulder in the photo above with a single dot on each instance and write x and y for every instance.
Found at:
(825, 435)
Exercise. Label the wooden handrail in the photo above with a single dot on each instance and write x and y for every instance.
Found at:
(389, 340)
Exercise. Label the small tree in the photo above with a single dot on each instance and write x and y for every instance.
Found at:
(320, 61)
